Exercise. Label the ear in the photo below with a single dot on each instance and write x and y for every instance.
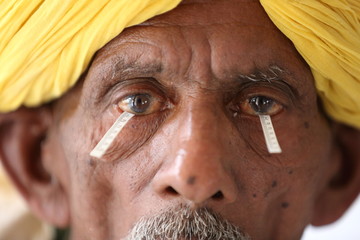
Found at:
(28, 156)
(344, 186)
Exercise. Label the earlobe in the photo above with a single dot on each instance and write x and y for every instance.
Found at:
(344, 186)
(23, 140)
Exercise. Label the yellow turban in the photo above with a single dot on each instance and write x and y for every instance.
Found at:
(327, 34)
(46, 45)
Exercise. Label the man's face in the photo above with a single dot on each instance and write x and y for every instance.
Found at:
(197, 79)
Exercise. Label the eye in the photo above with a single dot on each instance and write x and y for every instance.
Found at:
(259, 105)
(141, 104)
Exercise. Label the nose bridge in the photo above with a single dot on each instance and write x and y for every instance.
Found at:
(198, 168)
(200, 136)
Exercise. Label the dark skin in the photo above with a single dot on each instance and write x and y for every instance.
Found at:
(195, 139)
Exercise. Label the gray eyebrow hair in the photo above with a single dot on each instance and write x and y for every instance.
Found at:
(273, 73)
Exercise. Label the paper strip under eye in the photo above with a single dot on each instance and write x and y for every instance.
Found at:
(101, 148)
(269, 134)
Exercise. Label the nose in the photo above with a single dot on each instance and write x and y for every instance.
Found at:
(198, 166)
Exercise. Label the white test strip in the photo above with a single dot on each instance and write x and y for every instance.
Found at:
(101, 148)
(269, 134)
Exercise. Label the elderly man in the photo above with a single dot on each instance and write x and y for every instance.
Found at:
(219, 129)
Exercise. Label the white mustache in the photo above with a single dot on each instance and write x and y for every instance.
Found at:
(186, 224)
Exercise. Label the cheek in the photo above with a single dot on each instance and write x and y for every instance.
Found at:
(132, 137)
(101, 188)
(306, 143)
(90, 187)
(305, 140)
(283, 187)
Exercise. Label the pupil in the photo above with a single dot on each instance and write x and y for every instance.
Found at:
(140, 103)
(261, 104)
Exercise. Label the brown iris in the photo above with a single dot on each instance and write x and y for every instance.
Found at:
(259, 105)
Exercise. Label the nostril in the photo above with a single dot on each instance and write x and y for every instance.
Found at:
(171, 191)
(218, 196)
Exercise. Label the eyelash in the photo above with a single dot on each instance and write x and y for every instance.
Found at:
(153, 103)
(255, 92)
(144, 93)
(260, 105)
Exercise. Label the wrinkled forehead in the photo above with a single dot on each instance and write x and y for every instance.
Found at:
(209, 12)
(238, 22)
(238, 34)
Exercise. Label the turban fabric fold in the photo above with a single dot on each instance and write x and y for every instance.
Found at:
(45, 45)
(327, 34)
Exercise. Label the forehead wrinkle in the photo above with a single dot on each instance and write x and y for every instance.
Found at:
(124, 58)
(199, 65)
(226, 12)
(169, 56)
(114, 58)
(196, 62)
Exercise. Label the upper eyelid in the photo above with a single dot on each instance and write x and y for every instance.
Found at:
(124, 71)
(149, 88)
(269, 90)
(121, 88)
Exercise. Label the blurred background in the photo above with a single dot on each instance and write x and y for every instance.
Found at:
(347, 228)
(16, 222)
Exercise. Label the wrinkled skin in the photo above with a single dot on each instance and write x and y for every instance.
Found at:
(200, 60)
(200, 143)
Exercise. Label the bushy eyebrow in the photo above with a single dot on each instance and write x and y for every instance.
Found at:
(123, 69)
(273, 73)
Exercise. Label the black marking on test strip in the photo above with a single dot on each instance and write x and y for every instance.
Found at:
(269, 134)
(101, 148)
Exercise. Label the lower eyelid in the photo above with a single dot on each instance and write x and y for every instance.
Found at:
(248, 110)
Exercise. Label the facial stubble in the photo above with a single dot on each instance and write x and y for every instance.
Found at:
(186, 224)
